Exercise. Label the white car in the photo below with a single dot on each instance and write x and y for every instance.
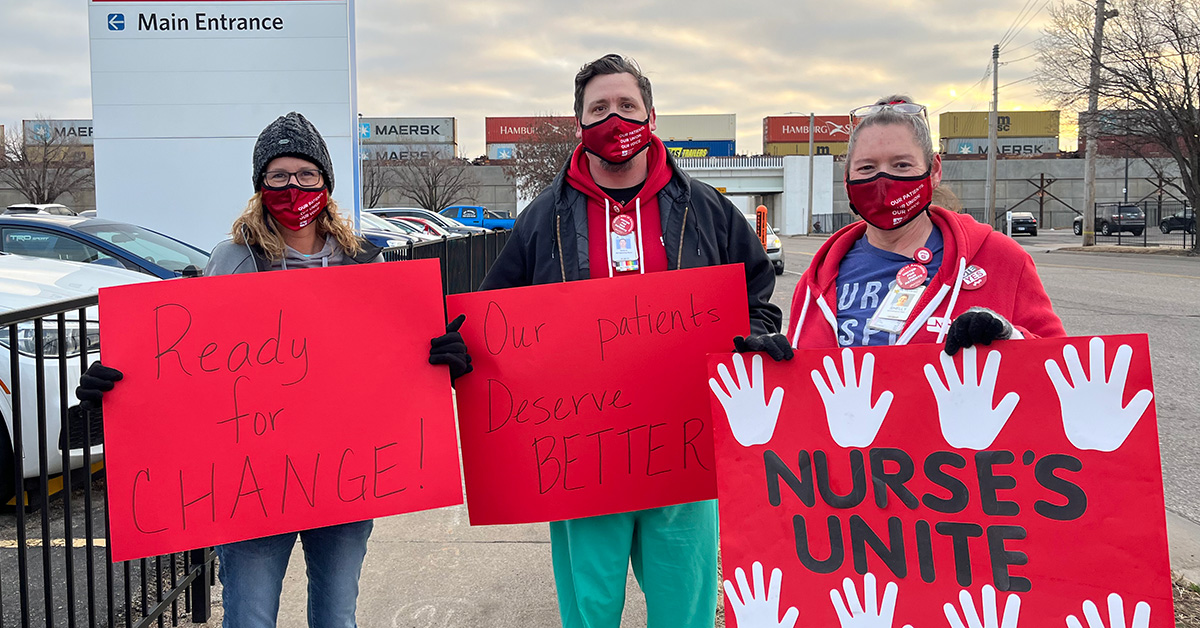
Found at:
(27, 282)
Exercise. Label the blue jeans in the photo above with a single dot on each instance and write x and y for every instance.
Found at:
(252, 575)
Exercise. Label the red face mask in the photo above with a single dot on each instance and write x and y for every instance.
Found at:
(616, 139)
(294, 207)
(887, 202)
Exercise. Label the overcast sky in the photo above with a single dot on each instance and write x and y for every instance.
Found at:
(470, 59)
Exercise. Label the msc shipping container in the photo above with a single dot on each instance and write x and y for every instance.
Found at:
(1008, 124)
(1004, 145)
(724, 148)
(515, 129)
(699, 127)
(787, 129)
(783, 149)
(407, 131)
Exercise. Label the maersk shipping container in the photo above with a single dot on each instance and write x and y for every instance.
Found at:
(59, 131)
(783, 149)
(401, 152)
(501, 151)
(723, 148)
(1008, 124)
(407, 131)
(1004, 145)
(699, 127)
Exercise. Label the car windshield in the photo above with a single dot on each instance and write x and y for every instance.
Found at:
(403, 226)
(155, 248)
(1024, 215)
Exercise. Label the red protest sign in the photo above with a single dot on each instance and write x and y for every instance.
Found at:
(897, 485)
(588, 397)
(266, 403)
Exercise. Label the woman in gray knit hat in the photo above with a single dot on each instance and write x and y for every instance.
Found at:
(291, 222)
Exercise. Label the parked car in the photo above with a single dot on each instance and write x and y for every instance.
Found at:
(478, 216)
(27, 282)
(103, 242)
(1185, 220)
(446, 222)
(51, 209)
(428, 227)
(1024, 222)
(1115, 219)
(774, 244)
(381, 225)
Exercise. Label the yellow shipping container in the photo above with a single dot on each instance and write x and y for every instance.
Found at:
(955, 124)
(782, 149)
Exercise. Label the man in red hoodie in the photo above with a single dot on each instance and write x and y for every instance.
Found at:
(910, 271)
(620, 207)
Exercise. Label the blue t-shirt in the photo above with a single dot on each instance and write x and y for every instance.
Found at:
(865, 276)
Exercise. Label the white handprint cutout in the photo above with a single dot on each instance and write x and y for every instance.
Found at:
(853, 421)
(851, 614)
(1092, 411)
(1116, 614)
(751, 416)
(965, 405)
(1012, 608)
(758, 607)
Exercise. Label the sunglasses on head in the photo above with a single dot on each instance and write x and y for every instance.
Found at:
(906, 108)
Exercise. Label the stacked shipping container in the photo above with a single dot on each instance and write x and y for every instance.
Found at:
(1017, 132)
(789, 135)
(706, 135)
(393, 139)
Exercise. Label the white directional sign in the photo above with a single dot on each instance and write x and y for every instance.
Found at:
(181, 90)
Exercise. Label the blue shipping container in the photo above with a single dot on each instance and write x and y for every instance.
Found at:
(721, 148)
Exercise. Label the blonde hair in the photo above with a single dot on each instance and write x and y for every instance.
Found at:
(257, 227)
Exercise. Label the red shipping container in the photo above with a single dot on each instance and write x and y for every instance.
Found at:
(795, 129)
(513, 130)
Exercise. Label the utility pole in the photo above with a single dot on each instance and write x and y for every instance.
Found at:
(812, 122)
(1089, 129)
(992, 122)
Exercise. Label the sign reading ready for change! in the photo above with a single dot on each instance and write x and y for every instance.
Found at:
(589, 397)
(251, 405)
(899, 486)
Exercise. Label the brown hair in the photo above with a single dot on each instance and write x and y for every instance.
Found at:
(257, 227)
(917, 124)
(611, 64)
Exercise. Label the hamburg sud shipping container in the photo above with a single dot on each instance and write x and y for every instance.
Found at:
(789, 135)
(1004, 145)
(502, 134)
(966, 124)
(783, 149)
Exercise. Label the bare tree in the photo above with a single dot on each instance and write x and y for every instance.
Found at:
(44, 166)
(435, 182)
(378, 177)
(1150, 71)
(538, 160)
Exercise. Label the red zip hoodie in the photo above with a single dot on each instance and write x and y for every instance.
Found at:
(599, 204)
(1011, 287)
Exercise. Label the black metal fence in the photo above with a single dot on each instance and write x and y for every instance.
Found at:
(828, 223)
(1147, 223)
(56, 568)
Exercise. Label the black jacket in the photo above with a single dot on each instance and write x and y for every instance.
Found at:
(700, 228)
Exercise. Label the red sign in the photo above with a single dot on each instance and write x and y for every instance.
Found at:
(265, 403)
(589, 397)
(513, 130)
(898, 485)
(795, 129)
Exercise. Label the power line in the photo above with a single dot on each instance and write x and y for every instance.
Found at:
(1019, 60)
(1026, 23)
(1027, 78)
(1028, 43)
(987, 71)
(1020, 14)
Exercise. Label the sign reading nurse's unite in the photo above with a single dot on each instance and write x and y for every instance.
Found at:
(181, 90)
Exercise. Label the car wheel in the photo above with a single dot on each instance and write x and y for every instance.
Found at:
(779, 268)
(1033, 233)
(1136, 232)
(1164, 227)
(1078, 228)
(1191, 228)
(7, 485)
(1104, 229)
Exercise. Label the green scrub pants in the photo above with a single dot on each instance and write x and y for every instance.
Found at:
(674, 555)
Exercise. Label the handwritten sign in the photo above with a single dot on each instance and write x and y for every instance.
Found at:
(588, 397)
(266, 403)
(1021, 478)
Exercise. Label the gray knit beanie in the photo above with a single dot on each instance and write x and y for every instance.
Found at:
(292, 136)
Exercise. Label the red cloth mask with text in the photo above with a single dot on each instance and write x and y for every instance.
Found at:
(887, 201)
(294, 207)
(615, 139)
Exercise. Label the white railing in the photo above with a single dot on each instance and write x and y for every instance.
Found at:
(729, 163)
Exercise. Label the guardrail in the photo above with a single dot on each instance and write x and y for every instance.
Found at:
(729, 163)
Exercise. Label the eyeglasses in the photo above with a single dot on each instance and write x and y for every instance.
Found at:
(280, 178)
(906, 108)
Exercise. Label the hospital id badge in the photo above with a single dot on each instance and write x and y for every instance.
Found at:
(624, 252)
(897, 306)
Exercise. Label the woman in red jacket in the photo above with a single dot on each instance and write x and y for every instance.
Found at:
(910, 271)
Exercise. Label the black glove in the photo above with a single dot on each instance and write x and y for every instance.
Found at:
(976, 326)
(94, 382)
(775, 345)
(451, 350)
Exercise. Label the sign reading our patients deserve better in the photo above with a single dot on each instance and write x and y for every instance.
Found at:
(181, 90)
(1012, 485)
(589, 397)
(251, 407)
